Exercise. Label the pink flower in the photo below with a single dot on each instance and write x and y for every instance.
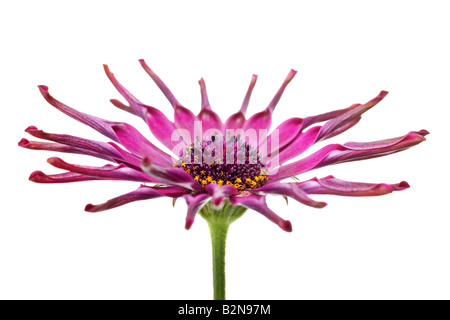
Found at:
(188, 175)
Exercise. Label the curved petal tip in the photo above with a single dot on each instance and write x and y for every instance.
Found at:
(382, 94)
(23, 143)
(189, 222)
(286, 225)
(403, 185)
(43, 88)
(36, 176)
(90, 208)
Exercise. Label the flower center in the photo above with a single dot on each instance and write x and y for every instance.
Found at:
(215, 162)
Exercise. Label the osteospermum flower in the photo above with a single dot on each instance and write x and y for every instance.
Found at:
(221, 168)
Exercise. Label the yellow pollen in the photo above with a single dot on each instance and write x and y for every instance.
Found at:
(220, 182)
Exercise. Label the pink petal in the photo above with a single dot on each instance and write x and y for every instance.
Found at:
(173, 176)
(258, 203)
(137, 144)
(220, 193)
(40, 177)
(259, 121)
(110, 172)
(248, 95)
(289, 190)
(161, 127)
(210, 120)
(101, 125)
(91, 147)
(58, 147)
(300, 144)
(169, 95)
(136, 107)
(237, 120)
(278, 95)
(184, 119)
(351, 151)
(291, 128)
(205, 100)
(331, 185)
(142, 193)
(333, 125)
(194, 202)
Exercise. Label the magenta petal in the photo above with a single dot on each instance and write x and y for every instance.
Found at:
(102, 126)
(220, 193)
(173, 176)
(237, 120)
(91, 147)
(259, 121)
(142, 193)
(348, 117)
(194, 202)
(205, 100)
(331, 185)
(300, 144)
(161, 127)
(110, 172)
(137, 144)
(291, 128)
(258, 203)
(40, 177)
(248, 94)
(136, 107)
(351, 151)
(58, 147)
(184, 119)
(278, 95)
(210, 120)
(289, 190)
(169, 95)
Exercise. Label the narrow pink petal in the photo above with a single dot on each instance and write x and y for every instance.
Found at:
(259, 121)
(40, 177)
(237, 120)
(205, 100)
(135, 105)
(291, 128)
(97, 148)
(248, 95)
(161, 127)
(169, 95)
(124, 107)
(300, 144)
(111, 172)
(278, 95)
(258, 203)
(331, 185)
(173, 176)
(220, 193)
(142, 193)
(194, 202)
(184, 119)
(58, 147)
(210, 120)
(101, 125)
(333, 125)
(137, 144)
(289, 190)
(352, 151)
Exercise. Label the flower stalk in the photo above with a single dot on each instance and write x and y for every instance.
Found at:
(219, 220)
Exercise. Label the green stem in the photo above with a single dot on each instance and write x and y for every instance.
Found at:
(218, 239)
(219, 221)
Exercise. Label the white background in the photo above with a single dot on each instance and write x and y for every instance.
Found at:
(390, 247)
